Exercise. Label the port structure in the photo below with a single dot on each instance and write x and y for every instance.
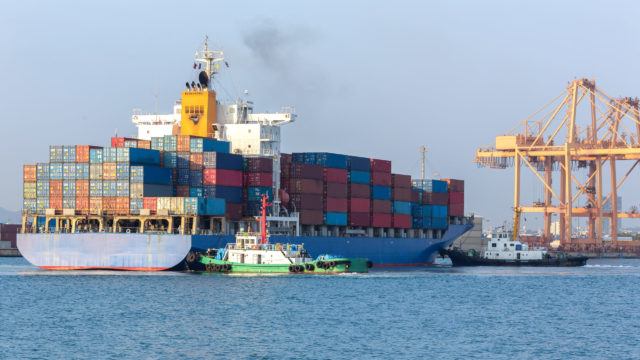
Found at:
(581, 129)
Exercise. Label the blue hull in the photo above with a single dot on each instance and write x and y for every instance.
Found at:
(382, 251)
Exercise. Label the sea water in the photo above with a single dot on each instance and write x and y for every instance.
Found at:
(425, 313)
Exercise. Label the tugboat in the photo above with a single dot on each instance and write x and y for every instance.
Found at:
(502, 250)
(252, 253)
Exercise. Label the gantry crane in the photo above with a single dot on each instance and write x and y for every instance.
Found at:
(581, 128)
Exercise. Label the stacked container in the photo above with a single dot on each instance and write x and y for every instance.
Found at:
(306, 188)
(401, 194)
(258, 181)
(29, 186)
(359, 191)
(222, 178)
(426, 214)
(335, 188)
(381, 203)
(456, 197)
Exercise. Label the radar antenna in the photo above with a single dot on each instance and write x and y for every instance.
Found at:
(211, 60)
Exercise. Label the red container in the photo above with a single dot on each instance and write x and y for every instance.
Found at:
(195, 161)
(455, 185)
(183, 143)
(359, 205)
(306, 171)
(306, 202)
(150, 203)
(456, 210)
(234, 211)
(381, 220)
(259, 179)
(381, 178)
(259, 164)
(415, 196)
(305, 186)
(182, 191)
(55, 202)
(360, 219)
(336, 190)
(29, 173)
(82, 152)
(456, 198)
(311, 217)
(285, 161)
(55, 189)
(117, 142)
(82, 189)
(335, 175)
(401, 221)
(401, 194)
(82, 203)
(435, 198)
(338, 205)
(222, 177)
(401, 181)
(381, 165)
(381, 206)
(361, 191)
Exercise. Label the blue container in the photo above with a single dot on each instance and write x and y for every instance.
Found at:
(42, 171)
(417, 222)
(69, 171)
(170, 143)
(427, 211)
(156, 190)
(214, 206)
(157, 143)
(69, 153)
(439, 211)
(109, 188)
(82, 171)
(95, 156)
(217, 160)
(122, 171)
(439, 223)
(150, 175)
(232, 194)
(379, 192)
(330, 160)
(436, 186)
(183, 160)
(335, 218)
(359, 163)
(138, 156)
(416, 210)
(56, 153)
(402, 207)
(359, 177)
(55, 171)
(198, 145)
(439, 186)
(170, 160)
(254, 193)
(109, 155)
(42, 188)
(183, 176)
(196, 192)
(253, 208)
(195, 178)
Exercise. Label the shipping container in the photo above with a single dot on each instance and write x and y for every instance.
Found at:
(381, 178)
(436, 186)
(331, 160)
(222, 177)
(42, 171)
(306, 171)
(109, 155)
(56, 154)
(109, 171)
(29, 190)
(335, 218)
(95, 188)
(359, 177)
(169, 160)
(336, 205)
(380, 166)
(122, 188)
(109, 188)
(336, 190)
(82, 204)
(42, 204)
(123, 171)
(455, 185)
(135, 205)
(55, 202)
(55, 171)
(401, 181)
(381, 206)
(69, 202)
(195, 177)
(55, 188)
(157, 143)
(254, 193)
(69, 154)
(332, 175)
(42, 188)
(401, 194)
(380, 192)
(29, 173)
(122, 205)
(69, 188)
(150, 175)
(306, 186)
(170, 143)
(137, 156)
(82, 189)
(95, 204)
(258, 164)
(95, 155)
(182, 190)
(381, 220)
(196, 191)
(232, 194)
(359, 205)
(82, 171)
(69, 171)
(401, 221)
(163, 203)
(359, 191)
(402, 207)
(199, 145)
(359, 163)
(456, 210)
(233, 211)
(183, 160)
(196, 161)
(139, 190)
(311, 217)
(359, 219)
(83, 153)
(150, 203)
(300, 202)
(144, 144)
(217, 160)
(258, 179)
(435, 198)
(29, 206)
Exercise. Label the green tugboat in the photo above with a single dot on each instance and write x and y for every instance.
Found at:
(253, 254)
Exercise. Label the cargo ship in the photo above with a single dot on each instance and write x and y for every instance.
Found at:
(191, 180)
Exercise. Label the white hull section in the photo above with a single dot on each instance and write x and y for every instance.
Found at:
(139, 252)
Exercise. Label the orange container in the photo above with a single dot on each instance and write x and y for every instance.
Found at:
(82, 203)
(144, 144)
(55, 202)
(150, 203)
(29, 173)
(55, 189)
(122, 205)
(109, 203)
(109, 171)
(184, 143)
(95, 204)
(82, 188)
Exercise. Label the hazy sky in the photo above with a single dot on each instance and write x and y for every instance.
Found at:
(372, 78)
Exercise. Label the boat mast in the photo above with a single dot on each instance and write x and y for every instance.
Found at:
(210, 59)
(423, 163)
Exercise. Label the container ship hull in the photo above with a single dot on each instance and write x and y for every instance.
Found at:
(154, 252)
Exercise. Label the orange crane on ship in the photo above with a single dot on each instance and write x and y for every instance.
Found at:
(581, 129)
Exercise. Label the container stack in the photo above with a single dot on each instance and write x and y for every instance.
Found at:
(456, 197)
(306, 189)
(401, 193)
(430, 211)
(381, 203)
(359, 191)
(222, 178)
(258, 181)
(30, 189)
(335, 189)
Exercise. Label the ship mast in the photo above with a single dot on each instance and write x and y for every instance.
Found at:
(423, 162)
(210, 59)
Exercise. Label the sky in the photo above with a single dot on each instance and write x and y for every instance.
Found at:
(369, 78)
